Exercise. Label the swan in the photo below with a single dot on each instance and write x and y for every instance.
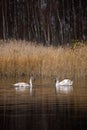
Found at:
(23, 84)
(65, 82)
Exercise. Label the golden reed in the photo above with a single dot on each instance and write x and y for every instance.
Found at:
(21, 58)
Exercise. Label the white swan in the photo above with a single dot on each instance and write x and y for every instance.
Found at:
(23, 84)
(65, 82)
(65, 86)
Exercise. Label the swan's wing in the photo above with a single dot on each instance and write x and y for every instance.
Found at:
(16, 84)
(21, 84)
(66, 82)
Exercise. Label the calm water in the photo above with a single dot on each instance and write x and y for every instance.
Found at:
(44, 107)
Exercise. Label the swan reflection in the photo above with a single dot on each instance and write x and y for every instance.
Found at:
(30, 91)
(21, 89)
(64, 89)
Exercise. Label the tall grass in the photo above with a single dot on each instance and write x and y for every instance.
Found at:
(20, 58)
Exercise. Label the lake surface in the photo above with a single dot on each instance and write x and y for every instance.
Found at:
(43, 107)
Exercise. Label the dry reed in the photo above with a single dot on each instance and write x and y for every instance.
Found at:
(20, 58)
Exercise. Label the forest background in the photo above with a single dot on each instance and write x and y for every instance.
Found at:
(50, 22)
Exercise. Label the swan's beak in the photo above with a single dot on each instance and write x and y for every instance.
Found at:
(55, 79)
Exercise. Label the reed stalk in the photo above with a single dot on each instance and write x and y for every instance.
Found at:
(20, 58)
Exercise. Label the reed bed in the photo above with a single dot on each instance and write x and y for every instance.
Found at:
(20, 58)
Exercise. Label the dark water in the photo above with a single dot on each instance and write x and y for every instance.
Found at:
(44, 107)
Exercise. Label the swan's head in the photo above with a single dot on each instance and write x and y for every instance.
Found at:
(32, 78)
(56, 80)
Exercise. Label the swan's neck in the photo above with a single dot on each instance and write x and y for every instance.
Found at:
(30, 82)
(57, 82)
